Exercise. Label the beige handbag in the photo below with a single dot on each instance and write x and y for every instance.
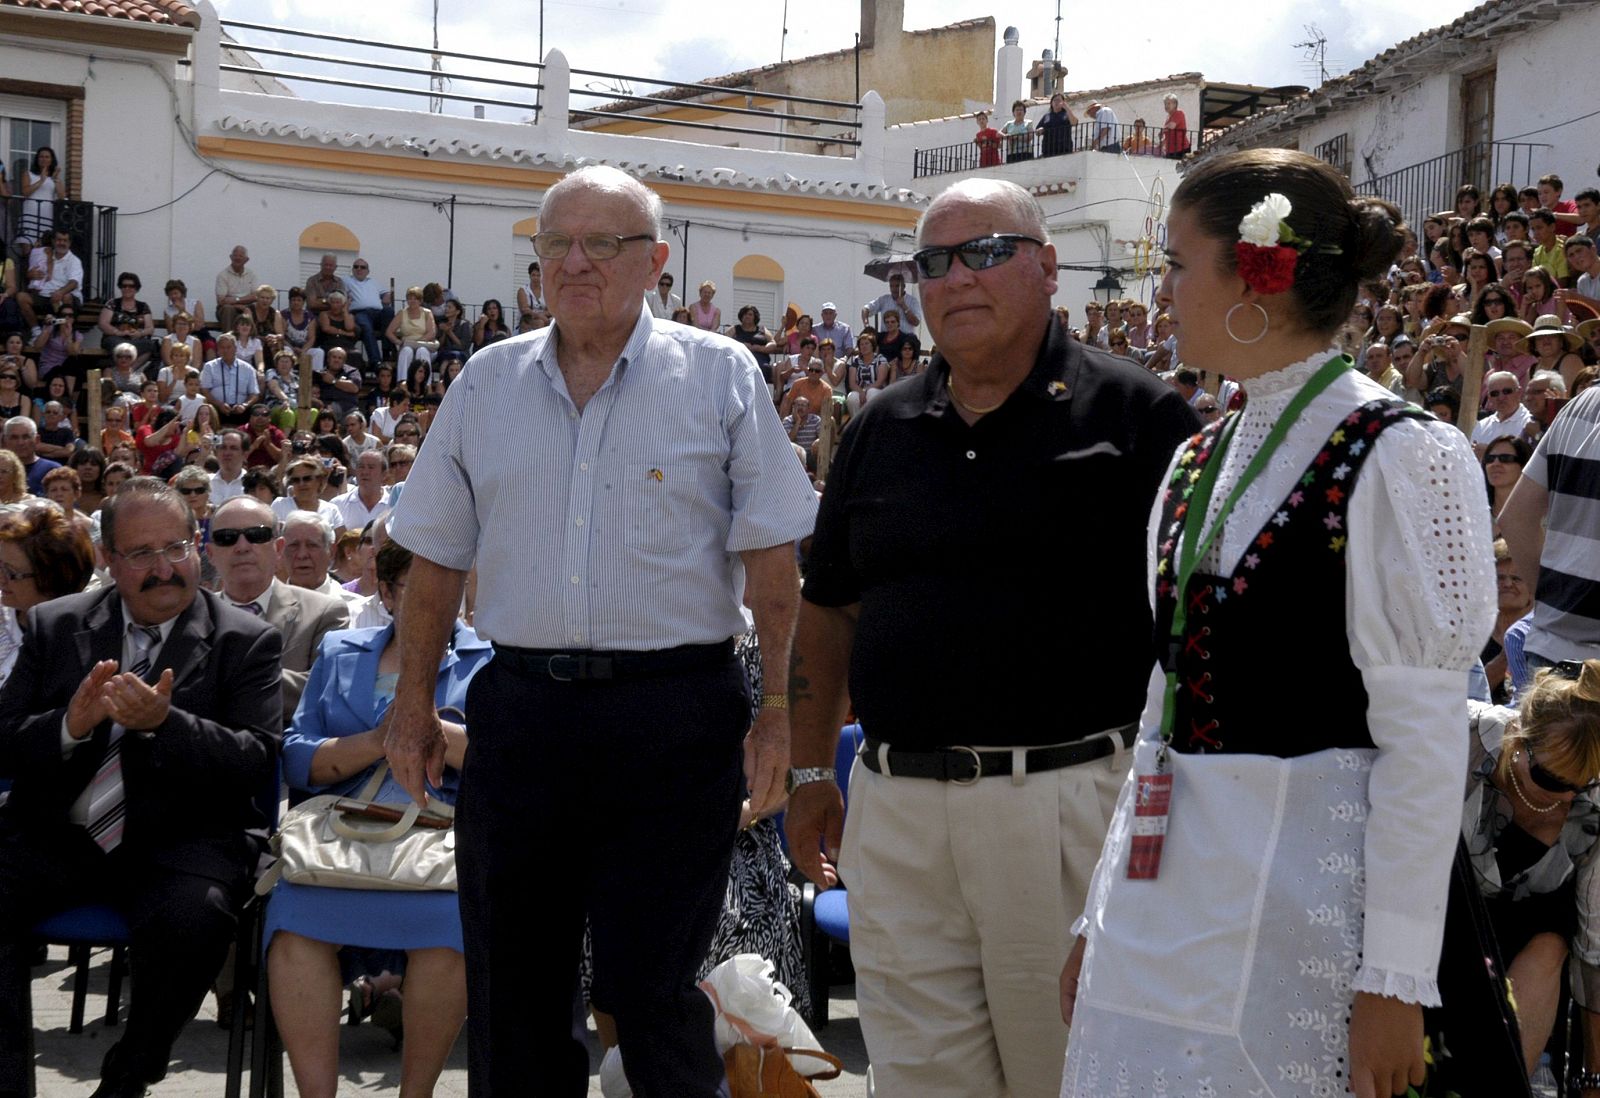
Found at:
(352, 842)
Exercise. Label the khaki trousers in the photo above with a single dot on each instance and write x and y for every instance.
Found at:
(961, 901)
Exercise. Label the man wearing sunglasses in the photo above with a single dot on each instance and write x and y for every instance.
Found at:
(245, 551)
(141, 724)
(1507, 416)
(982, 523)
(653, 487)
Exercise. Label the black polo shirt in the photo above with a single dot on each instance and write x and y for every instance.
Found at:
(999, 567)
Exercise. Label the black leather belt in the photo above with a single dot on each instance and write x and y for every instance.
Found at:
(965, 765)
(588, 665)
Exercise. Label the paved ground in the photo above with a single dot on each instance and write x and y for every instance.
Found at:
(69, 1064)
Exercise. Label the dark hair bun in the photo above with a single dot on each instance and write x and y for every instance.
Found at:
(1352, 240)
(1379, 236)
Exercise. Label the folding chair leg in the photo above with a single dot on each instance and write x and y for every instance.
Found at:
(247, 951)
(119, 966)
(78, 957)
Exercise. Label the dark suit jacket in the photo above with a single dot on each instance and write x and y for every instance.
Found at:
(197, 789)
(303, 617)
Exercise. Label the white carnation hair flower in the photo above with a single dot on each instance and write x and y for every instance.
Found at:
(1261, 225)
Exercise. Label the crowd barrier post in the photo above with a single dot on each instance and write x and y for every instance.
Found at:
(96, 415)
(1472, 380)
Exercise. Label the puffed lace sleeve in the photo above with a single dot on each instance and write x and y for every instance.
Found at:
(1420, 603)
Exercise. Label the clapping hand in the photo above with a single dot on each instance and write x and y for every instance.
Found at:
(88, 708)
(135, 704)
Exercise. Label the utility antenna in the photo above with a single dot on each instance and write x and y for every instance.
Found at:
(783, 40)
(436, 81)
(1316, 50)
(1057, 55)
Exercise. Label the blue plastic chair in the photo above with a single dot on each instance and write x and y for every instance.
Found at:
(100, 926)
(825, 916)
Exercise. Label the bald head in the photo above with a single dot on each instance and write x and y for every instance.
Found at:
(600, 179)
(1007, 201)
(244, 511)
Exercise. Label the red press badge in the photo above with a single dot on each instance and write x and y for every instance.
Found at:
(1152, 802)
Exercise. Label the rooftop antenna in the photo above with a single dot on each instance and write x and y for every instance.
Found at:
(1316, 47)
(1057, 52)
(783, 39)
(436, 81)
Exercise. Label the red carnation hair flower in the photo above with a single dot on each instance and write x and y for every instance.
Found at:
(1266, 270)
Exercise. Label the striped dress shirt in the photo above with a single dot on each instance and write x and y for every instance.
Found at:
(617, 528)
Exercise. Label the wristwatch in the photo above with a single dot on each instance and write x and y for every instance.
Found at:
(805, 775)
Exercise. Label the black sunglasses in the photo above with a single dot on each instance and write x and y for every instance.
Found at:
(255, 535)
(1501, 392)
(979, 254)
(1509, 459)
(1548, 781)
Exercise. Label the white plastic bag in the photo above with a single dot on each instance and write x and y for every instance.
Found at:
(613, 1083)
(753, 1007)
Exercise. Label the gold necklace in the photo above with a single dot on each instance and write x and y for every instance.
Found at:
(1517, 788)
(968, 408)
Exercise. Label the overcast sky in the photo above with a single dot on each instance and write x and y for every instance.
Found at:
(676, 39)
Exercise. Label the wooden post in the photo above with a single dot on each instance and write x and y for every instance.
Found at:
(1472, 380)
(305, 414)
(96, 416)
(826, 439)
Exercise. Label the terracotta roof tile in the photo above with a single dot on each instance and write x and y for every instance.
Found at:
(172, 13)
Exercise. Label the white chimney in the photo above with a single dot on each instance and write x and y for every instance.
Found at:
(1008, 73)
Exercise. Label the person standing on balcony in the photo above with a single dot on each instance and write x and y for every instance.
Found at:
(1055, 127)
(1174, 131)
(1106, 138)
(40, 187)
(988, 141)
(1019, 138)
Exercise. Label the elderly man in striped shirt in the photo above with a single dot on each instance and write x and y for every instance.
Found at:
(603, 775)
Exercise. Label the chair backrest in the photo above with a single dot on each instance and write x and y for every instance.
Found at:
(844, 757)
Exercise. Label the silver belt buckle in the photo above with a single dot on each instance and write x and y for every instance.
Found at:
(550, 666)
(977, 766)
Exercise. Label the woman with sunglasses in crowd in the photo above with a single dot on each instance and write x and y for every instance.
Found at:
(1531, 821)
(1502, 468)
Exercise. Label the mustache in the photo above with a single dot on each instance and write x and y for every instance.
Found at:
(152, 582)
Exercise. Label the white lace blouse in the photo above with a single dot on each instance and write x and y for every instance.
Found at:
(1420, 600)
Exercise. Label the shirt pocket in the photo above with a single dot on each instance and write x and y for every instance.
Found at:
(657, 500)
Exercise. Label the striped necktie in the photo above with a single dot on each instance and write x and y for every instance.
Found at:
(107, 807)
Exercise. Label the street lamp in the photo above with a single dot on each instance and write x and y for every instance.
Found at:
(1107, 289)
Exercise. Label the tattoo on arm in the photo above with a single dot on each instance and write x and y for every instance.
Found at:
(799, 685)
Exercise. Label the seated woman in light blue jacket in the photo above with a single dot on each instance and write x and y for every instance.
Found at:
(334, 746)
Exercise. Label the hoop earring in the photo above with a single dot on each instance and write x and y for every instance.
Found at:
(1227, 323)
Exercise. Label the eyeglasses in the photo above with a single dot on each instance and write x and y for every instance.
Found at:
(1548, 781)
(197, 490)
(12, 575)
(255, 535)
(358, 267)
(978, 254)
(142, 560)
(1501, 392)
(1509, 459)
(307, 479)
(594, 245)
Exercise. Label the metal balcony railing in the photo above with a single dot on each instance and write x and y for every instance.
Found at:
(1430, 186)
(27, 223)
(1035, 144)
(368, 72)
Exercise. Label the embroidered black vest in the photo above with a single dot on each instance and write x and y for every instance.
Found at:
(1264, 663)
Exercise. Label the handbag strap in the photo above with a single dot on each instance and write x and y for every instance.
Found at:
(343, 828)
(436, 808)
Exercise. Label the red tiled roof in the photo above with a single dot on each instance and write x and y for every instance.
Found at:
(172, 13)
